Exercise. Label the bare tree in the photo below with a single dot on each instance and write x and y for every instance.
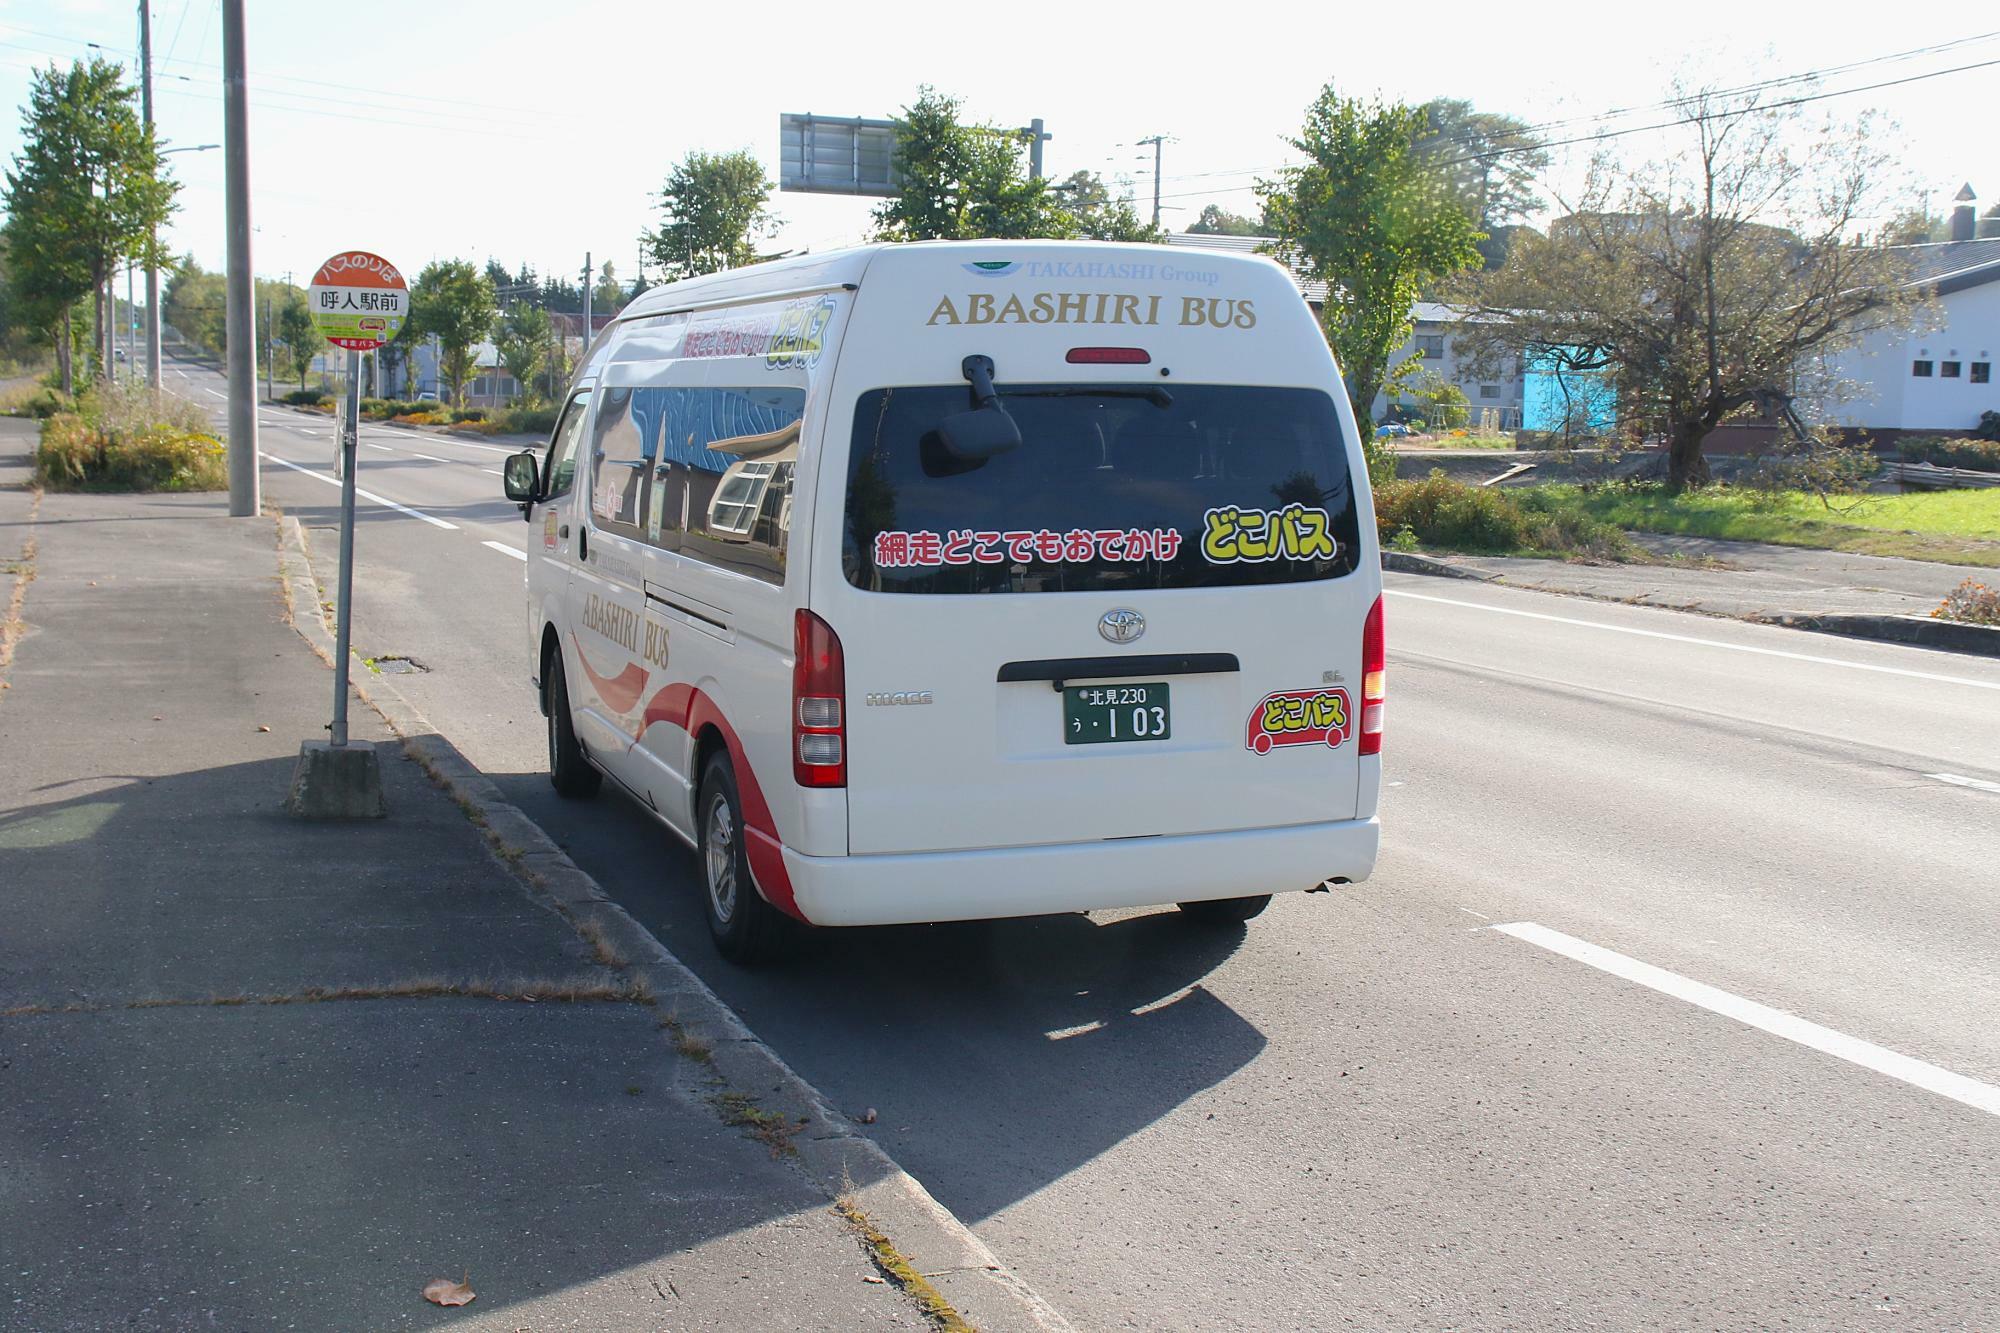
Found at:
(1708, 281)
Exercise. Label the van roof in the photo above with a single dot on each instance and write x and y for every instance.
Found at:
(837, 268)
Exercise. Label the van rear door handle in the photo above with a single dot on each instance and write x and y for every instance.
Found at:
(563, 531)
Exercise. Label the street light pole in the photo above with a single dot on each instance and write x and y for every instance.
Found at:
(152, 241)
(240, 326)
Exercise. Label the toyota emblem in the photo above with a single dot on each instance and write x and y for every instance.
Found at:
(1122, 625)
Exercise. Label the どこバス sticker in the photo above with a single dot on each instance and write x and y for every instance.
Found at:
(1300, 717)
(1233, 536)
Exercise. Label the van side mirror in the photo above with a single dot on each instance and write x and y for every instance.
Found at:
(522, 475)
(975, 436)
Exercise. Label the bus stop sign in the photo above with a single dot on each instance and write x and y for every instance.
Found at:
(358, 300)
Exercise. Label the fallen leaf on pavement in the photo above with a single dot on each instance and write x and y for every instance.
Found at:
(867, 1117)
(872, 1277)
(263, 728)
(446, 1292)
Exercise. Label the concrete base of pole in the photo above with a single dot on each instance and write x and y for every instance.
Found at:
(337, 782)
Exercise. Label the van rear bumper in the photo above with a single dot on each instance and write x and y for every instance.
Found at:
(1080, 876)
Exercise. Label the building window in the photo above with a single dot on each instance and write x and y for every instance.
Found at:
(1948, 370)
(1489, 391)
(1431, 345)
(1921, 369)
(1982, 372)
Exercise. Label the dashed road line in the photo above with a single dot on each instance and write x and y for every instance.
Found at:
(1706, 643)
(1977, 784)
(504, 549)
(366, 495)
(1908, 1069)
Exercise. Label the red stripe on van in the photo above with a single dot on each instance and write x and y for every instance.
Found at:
(621, 691)
(691, 710)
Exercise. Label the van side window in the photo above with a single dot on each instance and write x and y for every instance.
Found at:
(722, 490)
(622, 447)
(559, 469)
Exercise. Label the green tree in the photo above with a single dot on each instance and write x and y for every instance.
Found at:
(607, 297)
(1709, 284)
(301, 338)
(1442, 404)
(1914, 226)
(86, 193)
(715, 209)
(522, 336)
(1491, 162)
(961, 182)
(1098, 214)
(1370, 216)
(194, 303)
(453, 302)
(1215, 220)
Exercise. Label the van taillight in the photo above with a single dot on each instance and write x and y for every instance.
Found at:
(1373, 655)
(819, 704)
(1108, 356)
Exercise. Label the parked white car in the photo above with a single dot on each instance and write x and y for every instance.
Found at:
(959, 580)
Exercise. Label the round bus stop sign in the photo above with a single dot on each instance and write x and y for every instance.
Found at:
(358, 300)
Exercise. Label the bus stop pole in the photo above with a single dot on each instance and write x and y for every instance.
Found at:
(350, 435)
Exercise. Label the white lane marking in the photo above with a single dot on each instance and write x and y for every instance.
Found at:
(383, 447)
(1976, 784)
(504, 549)
(1481, 915)
(366, 495)
(1706, 643)
(212, 393)
(1063, 1034)
(428, 457)
(1908, 1069)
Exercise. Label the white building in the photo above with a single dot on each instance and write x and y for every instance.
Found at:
(1938, 381)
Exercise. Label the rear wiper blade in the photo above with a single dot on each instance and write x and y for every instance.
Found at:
(1152, 393)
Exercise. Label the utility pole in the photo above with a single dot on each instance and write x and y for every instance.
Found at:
(586, 303)
(270, 335)
(1156, 141)
(152, 268)
(1036, 138)
(240, 326)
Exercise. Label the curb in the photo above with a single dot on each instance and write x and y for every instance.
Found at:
(1405, 562)
(1917, 631)
(844, 1164)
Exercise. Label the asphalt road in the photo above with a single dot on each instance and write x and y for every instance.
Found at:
(1672, 1003)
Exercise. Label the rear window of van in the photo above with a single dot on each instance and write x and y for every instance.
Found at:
(1113, 487)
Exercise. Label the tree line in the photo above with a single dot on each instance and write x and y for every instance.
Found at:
(1700, 287)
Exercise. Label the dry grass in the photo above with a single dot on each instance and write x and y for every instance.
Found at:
(583, 988)
(894, 1267)
(601, 947)
(685, 1042)
(775, 1131)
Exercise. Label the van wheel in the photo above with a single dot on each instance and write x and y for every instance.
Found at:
(569, 772)
(747, 930)
(1225, 911)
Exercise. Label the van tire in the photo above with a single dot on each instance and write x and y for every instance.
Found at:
(1225, 911)
(746, 929)
(570, 772)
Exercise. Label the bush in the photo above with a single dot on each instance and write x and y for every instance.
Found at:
(307, 398)
(1971, 601)
(130, 439)
(1438, 511)
(1988, 427)
(477, 427)
(459, 414)
(420, 418)
(1977, 455)
(527, 420)
(388, 409)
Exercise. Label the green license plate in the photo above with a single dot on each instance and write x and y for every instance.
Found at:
(1096, 714)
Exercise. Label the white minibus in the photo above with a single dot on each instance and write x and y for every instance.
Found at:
(958, 580)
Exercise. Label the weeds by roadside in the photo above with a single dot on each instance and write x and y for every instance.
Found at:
(1440, 512)
(895, 1268)
(130, 438)
(580, 989)
(1972, 603)
(774, 1130)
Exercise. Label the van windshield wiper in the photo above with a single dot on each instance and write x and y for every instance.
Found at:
(1152, 393)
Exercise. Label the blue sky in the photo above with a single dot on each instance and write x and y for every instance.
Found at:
(533, 133)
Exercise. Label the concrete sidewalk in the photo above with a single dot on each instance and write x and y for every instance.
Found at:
(1860, 595)
(256, 1073)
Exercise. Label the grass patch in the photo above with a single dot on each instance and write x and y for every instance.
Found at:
(1436, 511)
(893, 1266)
(775, 1131)
(581, 989)
(1956, 527)
(130, 438)
(686, 1043)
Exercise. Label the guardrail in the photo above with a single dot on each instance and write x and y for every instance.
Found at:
(1927, 476)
